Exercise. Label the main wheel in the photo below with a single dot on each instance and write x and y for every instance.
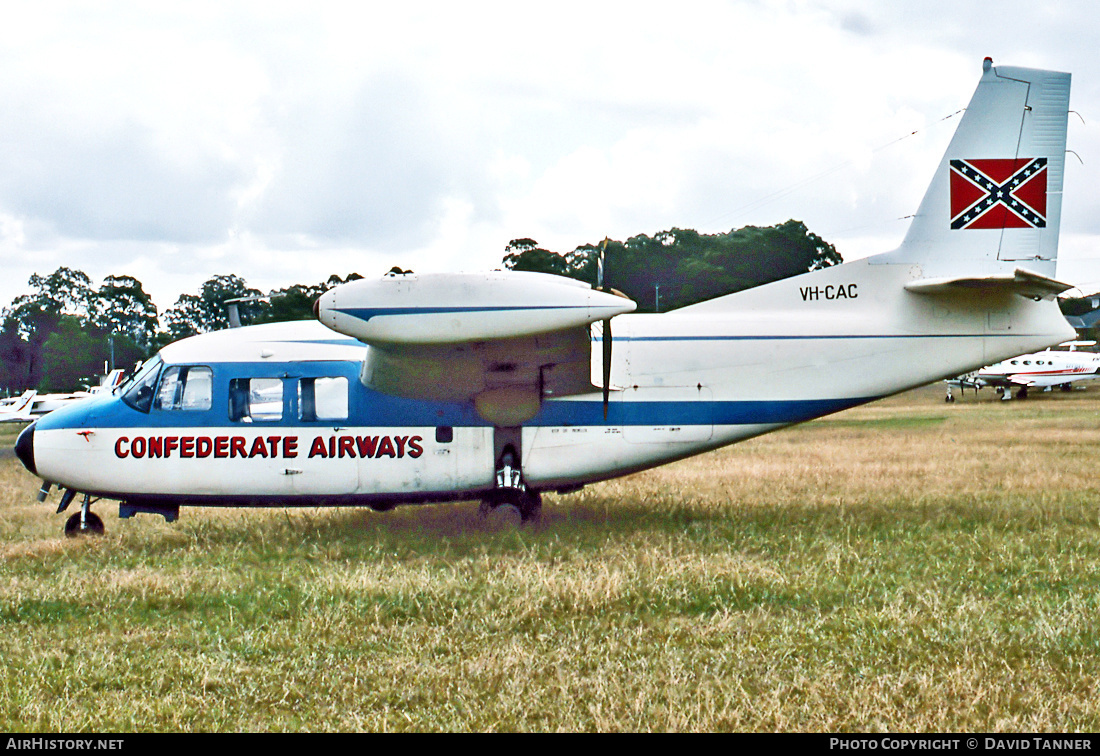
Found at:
(92, 525)
(527, 503)
(530, 506)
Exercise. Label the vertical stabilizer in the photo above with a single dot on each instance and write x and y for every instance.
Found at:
(995, 202)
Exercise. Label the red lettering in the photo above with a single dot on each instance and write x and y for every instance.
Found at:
(274, 442)
(156, 447)
(170, 443)
(258, 448)
(415, 449)
(290, 446)
(367, 445)
(318, 448)
(187, 446)
(332, 446)
(236, 447)
(386, 447)
(221, 446)
(401, 445)
(347, 446)
(118, 448)
(137, 447)
(203, 445)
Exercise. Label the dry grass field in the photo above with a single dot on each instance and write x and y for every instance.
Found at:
(906, 566)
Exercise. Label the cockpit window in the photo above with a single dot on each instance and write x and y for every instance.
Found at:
(184, 387)
(139, 394)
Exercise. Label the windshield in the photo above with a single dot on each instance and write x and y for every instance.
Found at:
(139, 394)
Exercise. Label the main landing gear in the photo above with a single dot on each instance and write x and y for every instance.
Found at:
(1006, 393)
(511, 491)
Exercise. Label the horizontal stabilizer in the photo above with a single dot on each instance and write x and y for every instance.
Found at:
(1022, 282)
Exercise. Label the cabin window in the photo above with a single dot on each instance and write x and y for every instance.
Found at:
(184, 387)
(139, 395)
(323, 399)
(255, 400)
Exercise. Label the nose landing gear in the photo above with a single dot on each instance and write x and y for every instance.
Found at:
(84, 522)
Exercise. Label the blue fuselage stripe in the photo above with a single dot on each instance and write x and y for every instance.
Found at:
(366, 313)
(372, 409)
(810, 337)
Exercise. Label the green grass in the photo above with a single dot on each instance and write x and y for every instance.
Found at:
(9, 432)
(892, 568)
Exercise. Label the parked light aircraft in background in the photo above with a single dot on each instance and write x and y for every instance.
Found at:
(16, 409)
(30, 404)
(499, 386)
(1060, 366)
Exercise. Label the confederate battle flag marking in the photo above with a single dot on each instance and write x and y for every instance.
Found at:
(999, 193)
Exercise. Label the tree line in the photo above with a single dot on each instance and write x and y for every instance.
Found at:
(679, 267)
(60, 336)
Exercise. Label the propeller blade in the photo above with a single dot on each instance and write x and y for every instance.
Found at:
(606, 328)
(606, 365)
(600, 263)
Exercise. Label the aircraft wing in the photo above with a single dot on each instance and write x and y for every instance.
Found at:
(505, 340)
(1054, 378)
(969, 380)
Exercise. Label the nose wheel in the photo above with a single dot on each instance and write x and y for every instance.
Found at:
(79, 525)
(84, 522)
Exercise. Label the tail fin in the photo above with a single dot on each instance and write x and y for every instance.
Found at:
(20, 408)
(995, 202)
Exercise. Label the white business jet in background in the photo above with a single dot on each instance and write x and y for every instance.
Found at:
(1057, 367)
(31, 405)
(499, 386)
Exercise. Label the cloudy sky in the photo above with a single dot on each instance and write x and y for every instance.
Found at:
(284, 142)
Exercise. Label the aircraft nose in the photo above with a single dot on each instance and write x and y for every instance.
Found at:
(24, 448)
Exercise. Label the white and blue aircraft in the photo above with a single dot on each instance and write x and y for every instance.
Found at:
(30, 404)
(1058, 367)
(499, 386)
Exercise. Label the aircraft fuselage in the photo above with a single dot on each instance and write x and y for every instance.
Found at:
(684, 382)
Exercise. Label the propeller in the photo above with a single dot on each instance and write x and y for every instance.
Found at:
(606, 329)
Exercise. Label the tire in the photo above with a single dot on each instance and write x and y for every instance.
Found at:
(92, 525)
